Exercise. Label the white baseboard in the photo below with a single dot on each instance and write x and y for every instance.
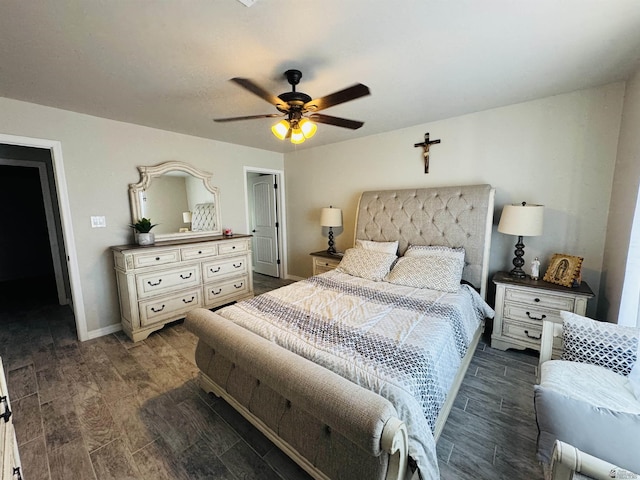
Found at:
(101, 332)
(295, 277)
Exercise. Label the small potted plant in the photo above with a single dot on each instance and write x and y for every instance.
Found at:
(143, 231)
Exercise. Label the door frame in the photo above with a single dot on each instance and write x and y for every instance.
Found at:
(55, 147)
(280, 211)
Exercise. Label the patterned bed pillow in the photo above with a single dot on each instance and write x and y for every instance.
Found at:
(435, 272)
(386, 247)
(435, 250)
(608, 345)
(364, 263)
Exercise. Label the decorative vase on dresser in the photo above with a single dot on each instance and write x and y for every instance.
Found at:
(522, 304)
(161, 283)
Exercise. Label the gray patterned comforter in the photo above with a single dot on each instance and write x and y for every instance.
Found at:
(403, 343)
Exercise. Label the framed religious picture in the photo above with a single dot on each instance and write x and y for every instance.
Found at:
(564, 270)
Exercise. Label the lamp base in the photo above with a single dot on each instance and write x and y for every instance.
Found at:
(518, 261)
(331, 248)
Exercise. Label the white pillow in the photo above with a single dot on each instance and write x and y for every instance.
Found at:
(364, 263)
(435, 272)
(386, 247)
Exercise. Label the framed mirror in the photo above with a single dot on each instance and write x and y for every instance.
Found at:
(178, 198)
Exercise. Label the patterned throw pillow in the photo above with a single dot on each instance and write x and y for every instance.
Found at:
(436, 272)
(599, 343)
(386, 247)
(364, 263)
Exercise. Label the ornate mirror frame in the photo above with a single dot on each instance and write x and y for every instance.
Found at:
(147, 174)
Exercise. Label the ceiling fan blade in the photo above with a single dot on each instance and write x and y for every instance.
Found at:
(337, 121)
(259, 91)
(249, 117)
(350, 93)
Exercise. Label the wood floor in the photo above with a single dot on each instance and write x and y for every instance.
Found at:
(111, 409)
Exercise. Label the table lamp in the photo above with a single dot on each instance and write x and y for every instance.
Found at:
(523, 220)
(331, 217)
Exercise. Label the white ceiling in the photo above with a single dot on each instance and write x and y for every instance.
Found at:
(166, 63)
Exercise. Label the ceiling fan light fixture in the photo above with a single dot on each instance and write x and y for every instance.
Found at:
(297, 136)
(308, 128)
(281, 129)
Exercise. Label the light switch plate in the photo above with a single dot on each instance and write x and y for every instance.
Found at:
(98, 221)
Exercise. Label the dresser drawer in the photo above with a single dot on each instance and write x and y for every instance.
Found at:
(224, 267)
(225, 291)
(160, 309)
(530, 313)
(233, 247)
(150, 259)
(202, 251)
(157, 282)
(522, 331)
(539, 298)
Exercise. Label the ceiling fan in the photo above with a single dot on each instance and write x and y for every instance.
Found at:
(300, 109)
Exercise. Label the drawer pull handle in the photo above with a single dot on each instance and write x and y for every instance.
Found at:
(526, 332)
(157, 259)
(16, 471)
(154, 284)
(542, 317)
(199, 252)
(7, 413)
(189, 301)
(238, 265)
(153, 309)
(238, 286)
(187, 277)
(216, 293)
(536, 300)
(215, 271)
(234, 247)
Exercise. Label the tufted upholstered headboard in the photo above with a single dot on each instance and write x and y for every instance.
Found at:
(453, 216)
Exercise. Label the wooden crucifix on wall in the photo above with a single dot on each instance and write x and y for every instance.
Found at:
(425, 150)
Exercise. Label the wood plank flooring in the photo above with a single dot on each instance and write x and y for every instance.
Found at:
(111, 409)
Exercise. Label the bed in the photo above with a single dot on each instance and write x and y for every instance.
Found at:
(352, 373)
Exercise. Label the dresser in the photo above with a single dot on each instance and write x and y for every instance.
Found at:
(160, 283)
(11, 468)
(522, 304)
(323, 261)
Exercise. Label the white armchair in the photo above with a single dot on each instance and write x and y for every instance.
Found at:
(569, 463)
(586, 399)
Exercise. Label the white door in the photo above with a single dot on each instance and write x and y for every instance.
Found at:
(264, 225)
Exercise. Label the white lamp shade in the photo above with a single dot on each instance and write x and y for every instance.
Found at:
(331, 217)
(186, 217)
(522, 220)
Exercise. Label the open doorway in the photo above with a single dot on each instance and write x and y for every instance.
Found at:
(61, 243)
(265, 218)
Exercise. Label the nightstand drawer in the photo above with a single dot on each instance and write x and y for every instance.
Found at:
(321, 265)
(539, 298)
(530, 313)
(522, 331)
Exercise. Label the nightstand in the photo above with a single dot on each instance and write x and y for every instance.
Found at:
(522, 304)
(323, 261)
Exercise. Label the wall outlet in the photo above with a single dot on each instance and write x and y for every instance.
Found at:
(98, 221)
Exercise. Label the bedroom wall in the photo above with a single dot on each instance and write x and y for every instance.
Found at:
(558, 151)
(626, 182)
(100, 159)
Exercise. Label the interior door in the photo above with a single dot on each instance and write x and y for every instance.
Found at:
(264, 225)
